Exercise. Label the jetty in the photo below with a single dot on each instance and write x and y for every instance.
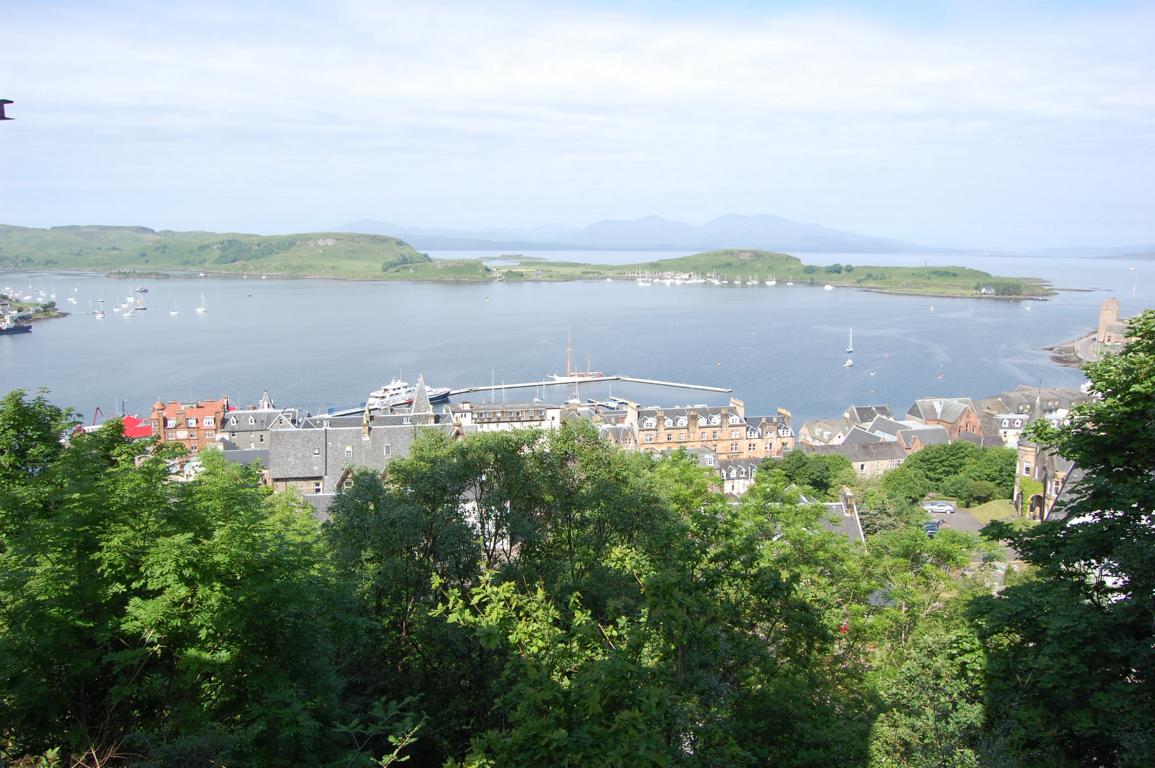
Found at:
(562, 381)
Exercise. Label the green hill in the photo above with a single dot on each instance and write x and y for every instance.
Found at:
(139, 249)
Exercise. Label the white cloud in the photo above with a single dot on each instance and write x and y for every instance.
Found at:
(524, 115)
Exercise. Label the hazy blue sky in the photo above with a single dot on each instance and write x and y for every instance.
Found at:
(953, 123)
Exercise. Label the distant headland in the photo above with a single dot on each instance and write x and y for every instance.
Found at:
(350, 256)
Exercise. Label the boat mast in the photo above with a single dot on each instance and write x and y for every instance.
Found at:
(569, 351)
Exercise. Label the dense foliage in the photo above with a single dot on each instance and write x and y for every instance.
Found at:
(1071, 679)
(531, 598)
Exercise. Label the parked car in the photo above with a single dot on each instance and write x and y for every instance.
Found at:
(931, 528)
(941, 507)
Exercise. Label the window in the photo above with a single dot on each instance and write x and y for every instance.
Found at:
(734, 418)
(734, 447)
(232, 420)
(1027, 470)
(170, 423)
(406, 420)
(348, 451)
(261, 438)
(316, 451)
(209, 421)
(751, 446)
(861, 467)
(682, 436)
(388, 450)
(317, 486)
(252, 420)
(669, 437)
(668, 421)
(650, 423)
(682, 421)
(733, 434)
(702, 436)
(709, 461)
(714, 435)
(193, 448)
(649, 438)
(190, 422)
(209, 434)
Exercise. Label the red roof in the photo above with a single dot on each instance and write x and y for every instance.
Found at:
(136, 428)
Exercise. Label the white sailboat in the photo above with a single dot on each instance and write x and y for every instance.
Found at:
(850, 344)
(203, 306)
(771, 281)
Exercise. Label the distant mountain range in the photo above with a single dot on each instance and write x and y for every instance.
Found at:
(651, 233)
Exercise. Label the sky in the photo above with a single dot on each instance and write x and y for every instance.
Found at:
(1012, 125)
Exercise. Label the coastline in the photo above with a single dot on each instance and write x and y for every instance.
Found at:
(499, 276)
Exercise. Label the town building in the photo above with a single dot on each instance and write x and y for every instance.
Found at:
(724, 429)
(500, 417)
(869, 460)
(317, 455)
(248, 428)
(954, 414)
(196, 426)
(825, 431)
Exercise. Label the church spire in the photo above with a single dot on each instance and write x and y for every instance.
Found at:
(421, 404)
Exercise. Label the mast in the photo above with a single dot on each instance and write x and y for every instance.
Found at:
(569, 351)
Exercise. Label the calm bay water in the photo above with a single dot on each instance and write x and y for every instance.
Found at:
(321, 344)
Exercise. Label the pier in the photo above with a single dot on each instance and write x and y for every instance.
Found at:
(566, 380)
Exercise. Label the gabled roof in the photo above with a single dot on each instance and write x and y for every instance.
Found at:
(861, 453)
(859, 436)
(860, 414)
(948, 409)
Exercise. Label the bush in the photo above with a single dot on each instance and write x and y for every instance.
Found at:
(810, 269)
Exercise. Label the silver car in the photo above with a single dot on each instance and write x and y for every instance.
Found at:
(940, 507)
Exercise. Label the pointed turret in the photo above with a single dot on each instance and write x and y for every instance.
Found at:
(421, 405)
(266, 403)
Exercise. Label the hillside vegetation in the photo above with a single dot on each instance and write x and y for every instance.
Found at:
(377, 257)
(139, 249)
(745, 265)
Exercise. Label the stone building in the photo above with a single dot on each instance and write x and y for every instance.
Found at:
(725, 429)
(1112, 331)
(954, 414)
(193, 425)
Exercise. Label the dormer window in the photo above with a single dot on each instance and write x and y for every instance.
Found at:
(715, 420)
(668, 422)
(682, 421)
(734, 418)
(650, 423)
(252, 420)
(348, 451)
(232, 420)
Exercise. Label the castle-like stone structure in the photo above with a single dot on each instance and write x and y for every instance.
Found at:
(1112, 331)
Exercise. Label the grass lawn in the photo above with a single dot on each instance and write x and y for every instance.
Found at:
(999, 509)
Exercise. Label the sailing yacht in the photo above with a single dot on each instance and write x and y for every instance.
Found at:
(203, 306)
(850, 344)
(771, 281)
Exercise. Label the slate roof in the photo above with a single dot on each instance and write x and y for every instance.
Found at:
(861, 453)
(982, 441)
(837, 521)
(948, 409)
(933, 435)
(859, 436)
(324, 453)
(238, 421)
(861, 414)
(247, 456)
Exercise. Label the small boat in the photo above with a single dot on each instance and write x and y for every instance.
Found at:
(932, 307)
(141, 289)
(789, 284)
(828, 287)
(850, 344)
(849, 363)
(771, 281)
(203, 306)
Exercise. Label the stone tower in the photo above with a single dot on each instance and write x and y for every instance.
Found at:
(1108, 315)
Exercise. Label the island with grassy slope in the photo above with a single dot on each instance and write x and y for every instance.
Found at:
(138, 251)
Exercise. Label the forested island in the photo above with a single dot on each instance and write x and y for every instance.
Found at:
(138, 251)
(532, 598)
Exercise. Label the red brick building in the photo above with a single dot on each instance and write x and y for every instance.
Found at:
(193, 425)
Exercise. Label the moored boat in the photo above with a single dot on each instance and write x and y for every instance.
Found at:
(398, 392)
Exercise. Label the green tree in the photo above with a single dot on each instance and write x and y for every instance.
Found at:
(182, 622)
(1071, 673)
